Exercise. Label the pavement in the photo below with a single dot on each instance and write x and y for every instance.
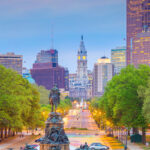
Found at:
(132, 146)
(80, 119)
(17, 142)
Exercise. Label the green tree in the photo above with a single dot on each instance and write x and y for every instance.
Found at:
(19, 102)
(44, 94)
(145, 93)
(122, 103)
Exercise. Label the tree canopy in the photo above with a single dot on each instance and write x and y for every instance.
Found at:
(19, 101)
(123, 99)
(44, 94)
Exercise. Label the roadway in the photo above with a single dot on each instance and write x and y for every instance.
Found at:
(75, 122)
(78, 118)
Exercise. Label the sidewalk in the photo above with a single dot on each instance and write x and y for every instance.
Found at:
(16, 142)
(132, 146)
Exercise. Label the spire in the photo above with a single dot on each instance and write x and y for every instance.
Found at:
(82, 47)
(52, 37)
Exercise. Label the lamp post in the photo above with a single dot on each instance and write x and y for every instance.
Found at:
(126, 139)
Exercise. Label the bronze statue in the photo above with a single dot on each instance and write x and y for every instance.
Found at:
(54, 98)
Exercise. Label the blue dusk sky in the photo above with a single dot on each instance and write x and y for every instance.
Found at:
(25, 28)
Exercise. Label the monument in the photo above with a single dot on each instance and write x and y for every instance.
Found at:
(55, 137)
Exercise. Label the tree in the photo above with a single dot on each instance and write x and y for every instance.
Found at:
(121, 102)
(19, 102)
(145, 93)
(44, 94)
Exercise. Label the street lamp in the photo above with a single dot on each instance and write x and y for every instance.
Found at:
(126, 139)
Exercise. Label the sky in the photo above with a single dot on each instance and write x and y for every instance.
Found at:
(26, 27)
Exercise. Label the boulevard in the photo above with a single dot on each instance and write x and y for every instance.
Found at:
(78, 118)
(79, 126)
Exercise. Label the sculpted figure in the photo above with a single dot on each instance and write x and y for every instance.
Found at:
(54, 98)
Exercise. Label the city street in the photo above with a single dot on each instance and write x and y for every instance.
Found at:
(80, 119)
(80, 128)
(76, 121)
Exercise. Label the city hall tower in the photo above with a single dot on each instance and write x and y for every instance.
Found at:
(82, 75)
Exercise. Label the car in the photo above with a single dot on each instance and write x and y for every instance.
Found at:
(32, 147)
(39, 140)
(98, 146)
(37, 148)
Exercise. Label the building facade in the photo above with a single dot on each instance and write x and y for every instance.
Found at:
(138, 20)
(72, 79)
(141, 49)
(118, 59)
(102, 73)
(12, 61)
(66, 79)
(48, 56)
(47, 72)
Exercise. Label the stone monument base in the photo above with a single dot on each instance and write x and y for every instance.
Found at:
(54, 147)
(55, 137)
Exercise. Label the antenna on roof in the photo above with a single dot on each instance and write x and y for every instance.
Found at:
(82, 37)
(104, 53)
(52, 37)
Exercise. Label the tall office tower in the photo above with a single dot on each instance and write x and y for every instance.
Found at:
(47, 72)
(45, 56)
(10, 60)
(141, 49)
(138, 19)
(118, 59)
(82, 64)
(102, 73)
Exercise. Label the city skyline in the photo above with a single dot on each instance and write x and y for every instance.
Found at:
(26, 29)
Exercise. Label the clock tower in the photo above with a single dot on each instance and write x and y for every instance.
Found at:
(82, 64)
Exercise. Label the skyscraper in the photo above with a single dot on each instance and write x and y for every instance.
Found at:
(47, 72)
(138, 19)
(102, 73)
(82, 64)
(141, 49)
(118, 59)
(46, 56)
(10, 60)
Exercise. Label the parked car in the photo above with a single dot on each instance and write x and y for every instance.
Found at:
(39, 140)
(32, 147)
(98, 146)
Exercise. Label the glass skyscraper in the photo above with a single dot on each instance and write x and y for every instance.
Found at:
(118, 59)
(141, 49)
(138, 20)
